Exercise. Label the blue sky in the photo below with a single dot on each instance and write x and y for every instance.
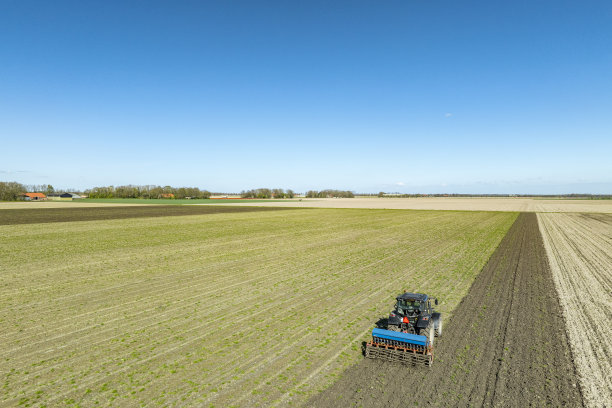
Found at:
(406, 96)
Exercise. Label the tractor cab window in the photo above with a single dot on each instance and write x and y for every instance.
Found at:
(409, 306)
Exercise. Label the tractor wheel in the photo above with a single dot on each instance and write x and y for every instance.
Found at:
(428, 332)
(394, 328)
(439, 328)
(431, 334)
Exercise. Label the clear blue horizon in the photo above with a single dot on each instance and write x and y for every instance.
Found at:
(395, 96)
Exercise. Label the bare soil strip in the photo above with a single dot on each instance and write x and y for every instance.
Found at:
(45, 215)
(579, 247)
(505, 345)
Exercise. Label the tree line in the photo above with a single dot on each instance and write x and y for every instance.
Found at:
(147, 192)
(267, 193)
(330, 193)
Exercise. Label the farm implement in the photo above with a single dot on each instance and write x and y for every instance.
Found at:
(410, 332)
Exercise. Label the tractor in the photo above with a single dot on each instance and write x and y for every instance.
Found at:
(409, 332)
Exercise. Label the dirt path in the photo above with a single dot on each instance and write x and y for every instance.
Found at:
(579, 247)
(506, 345)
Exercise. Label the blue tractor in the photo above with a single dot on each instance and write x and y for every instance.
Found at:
(409, 332)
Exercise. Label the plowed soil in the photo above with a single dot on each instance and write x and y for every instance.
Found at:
(505, 346)
(45, 215)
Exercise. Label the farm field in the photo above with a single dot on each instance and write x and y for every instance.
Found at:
(508, 204)
(211, 201)
(452, 203)
(186, 310)
(37, 205)
(68, 214)
(506, 345)
(579, 247)
(114, 202)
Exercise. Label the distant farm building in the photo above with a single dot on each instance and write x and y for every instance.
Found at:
(34, 196)
(166, 195)
(64, 197)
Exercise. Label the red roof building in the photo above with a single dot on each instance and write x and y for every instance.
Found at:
(34, 196)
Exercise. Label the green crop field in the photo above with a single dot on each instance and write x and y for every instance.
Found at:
(220, 309)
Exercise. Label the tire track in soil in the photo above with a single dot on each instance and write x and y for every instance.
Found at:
(506, 345)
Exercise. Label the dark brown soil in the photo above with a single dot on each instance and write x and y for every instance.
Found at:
(506, 345)
(44, 215)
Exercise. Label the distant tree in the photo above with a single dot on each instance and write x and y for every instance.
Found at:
(11, 190)
(267, 193)
(381, 194)
(156, 191)
(330, 194)
(128, 191)
(101, 192)
(36, 188)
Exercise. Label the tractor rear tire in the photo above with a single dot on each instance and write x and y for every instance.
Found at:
(428, 332)
(439, 328)
(431, 334)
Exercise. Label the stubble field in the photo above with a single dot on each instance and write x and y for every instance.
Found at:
(579, 247)
(522, 204)
(223, 309)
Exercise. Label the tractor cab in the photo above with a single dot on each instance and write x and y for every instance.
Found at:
(412, 312)
(414, 303)
(409, 307)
